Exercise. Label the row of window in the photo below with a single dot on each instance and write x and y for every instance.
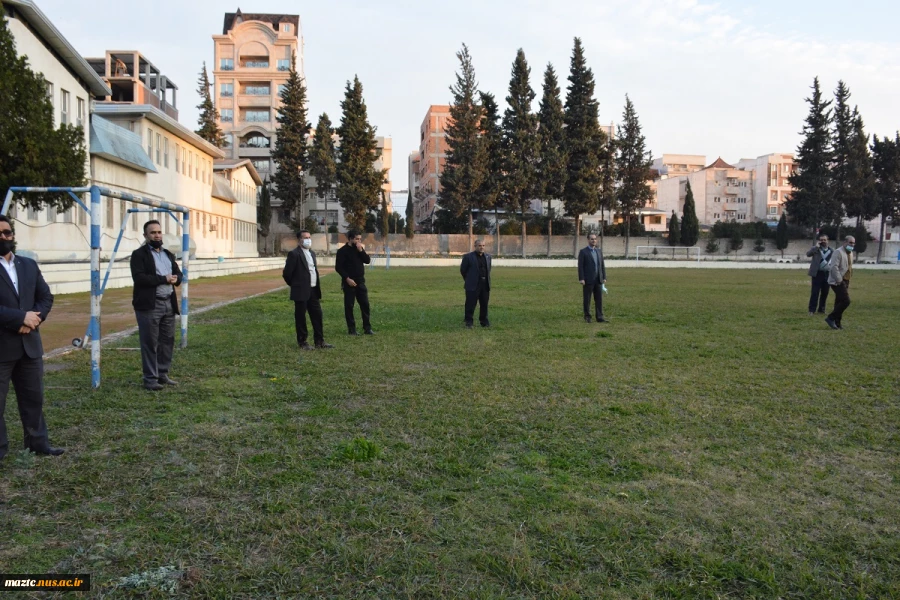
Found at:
(731, 215)
(66, 117)
(226, 90)
(255, 62)
(226, 115)
(740, 200)
(187, 162)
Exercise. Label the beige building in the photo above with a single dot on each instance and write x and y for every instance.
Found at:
(771, 187)
(252, 61)
(722, 192)
(431, 158)
(235, 180)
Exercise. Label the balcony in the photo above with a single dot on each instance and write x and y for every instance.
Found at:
(255, 62)
(250, 100)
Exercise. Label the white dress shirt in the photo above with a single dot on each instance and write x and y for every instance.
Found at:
(312, 267)
(10, 266)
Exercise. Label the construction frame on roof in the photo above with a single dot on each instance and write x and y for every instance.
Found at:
(92, 335)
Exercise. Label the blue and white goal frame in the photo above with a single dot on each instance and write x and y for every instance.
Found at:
(92, 335)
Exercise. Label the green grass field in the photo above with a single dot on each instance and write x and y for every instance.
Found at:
(712, 441)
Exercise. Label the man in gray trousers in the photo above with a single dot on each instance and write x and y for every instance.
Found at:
(155, 273)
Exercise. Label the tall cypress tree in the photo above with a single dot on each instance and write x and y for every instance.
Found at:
(323, 165)
(632, 167)
(464, 167)
(209, 116)
(674, 230)
(841, 160)
(32, 151)
(410, 217)
(861, 201)
(886, 166)
(607, 195)
(552, 158)
(264, 213)
(490, 192)
(291, 153)
(690, 224)
(583, 142)
(359, 182)
(520, 142)
(811, 202)
(781, 234)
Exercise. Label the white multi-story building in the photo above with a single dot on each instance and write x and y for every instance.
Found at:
(771, 188)
(721, 192)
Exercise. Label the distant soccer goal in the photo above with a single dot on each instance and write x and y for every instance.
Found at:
(667, 252)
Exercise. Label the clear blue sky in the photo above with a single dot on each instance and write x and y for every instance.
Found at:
(715, 78)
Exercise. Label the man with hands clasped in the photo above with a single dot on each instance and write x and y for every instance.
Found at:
(592, 276)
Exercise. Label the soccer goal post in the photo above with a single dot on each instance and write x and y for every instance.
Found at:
(675, 252)
(92, 335)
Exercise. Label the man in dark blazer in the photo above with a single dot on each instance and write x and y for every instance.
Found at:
(350, 263)
(592, 276)
(302, 274)
(25, 302)
(155, 274)
(819, 269)
(476, 272)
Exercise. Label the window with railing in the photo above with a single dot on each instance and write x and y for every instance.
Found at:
(226, 90)
(257, 90)
(226, 64)
(255, 141)
(284, 64)
(256, 116)
(227, 115)
(255, 62)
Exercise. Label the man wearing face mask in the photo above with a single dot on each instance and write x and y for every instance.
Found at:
(592, 276)
(25, 302)
(476, 272)
(839, 280)
(350, 263)
(819, 268)
(155, 274)
(302, 275)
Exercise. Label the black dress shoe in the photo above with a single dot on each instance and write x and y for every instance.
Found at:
(46, 450)
(323, 345)
(369, 331)
(352, 332)
(305, 346)
(165, 380)
(154, 387)
(587, 319)
(468, 326)
(603, 320)
(831, 323)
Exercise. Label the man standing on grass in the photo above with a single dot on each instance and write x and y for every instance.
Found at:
(301, 273)
(350, 263)
(25, 302)
(592, 276)
(839, 280)
(476, 272)
(819, 268)
(155, 274)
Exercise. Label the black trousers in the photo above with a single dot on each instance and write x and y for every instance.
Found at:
(481, 296)
(156, 330)
(819, 294)
(841, 301)
(314, 308)
(595, 290)
(360, 294)
(27, 376)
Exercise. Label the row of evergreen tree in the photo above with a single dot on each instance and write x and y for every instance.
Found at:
(348, 167)
(839, 174)
(557, 153)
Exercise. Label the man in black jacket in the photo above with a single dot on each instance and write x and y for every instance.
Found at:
(155, 273)
(476, 272)
(592, 276)
(25, 302)
(350, 263)
(302, 274)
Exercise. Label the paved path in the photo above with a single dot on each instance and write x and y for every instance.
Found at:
(71, 312)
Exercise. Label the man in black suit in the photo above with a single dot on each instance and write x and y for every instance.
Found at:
(25, 302)
(476, 272)
(155, 274)
(350, 263)
(302, 274)
(592, 276)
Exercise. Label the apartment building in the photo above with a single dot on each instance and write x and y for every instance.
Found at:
(431, 158)
(722, 192)
(252, 62)
(771, 183)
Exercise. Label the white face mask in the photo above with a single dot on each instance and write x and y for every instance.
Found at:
(307, 243)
